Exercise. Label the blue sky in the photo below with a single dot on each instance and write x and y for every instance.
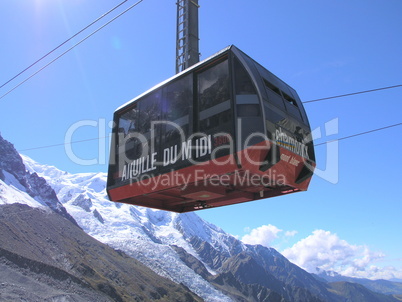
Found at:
(349, 219)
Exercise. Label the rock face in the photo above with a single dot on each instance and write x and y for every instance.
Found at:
(44, 257)
(34, 185)
(83, 202)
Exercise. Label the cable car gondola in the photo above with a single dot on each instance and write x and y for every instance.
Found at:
(224, 131)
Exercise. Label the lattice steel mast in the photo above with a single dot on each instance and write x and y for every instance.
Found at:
(187, 48)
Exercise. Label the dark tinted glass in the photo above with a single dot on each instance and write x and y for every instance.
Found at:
(214, 107)
(177, 111)
(274, 95)
(149, 111)
(247, 102)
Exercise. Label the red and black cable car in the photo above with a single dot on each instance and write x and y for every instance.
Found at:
(224, 131)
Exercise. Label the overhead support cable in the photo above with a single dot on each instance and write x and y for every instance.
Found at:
(64, 144)
(60, 45)
(353, 93)
(358, 134)
(71, 48)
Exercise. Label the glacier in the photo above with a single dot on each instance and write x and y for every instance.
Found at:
(143, 233)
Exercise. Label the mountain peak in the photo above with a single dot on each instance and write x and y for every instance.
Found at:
(14, 173)
(10, 160)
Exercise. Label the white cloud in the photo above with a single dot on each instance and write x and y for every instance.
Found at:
(374, 272)
(263, 235)
(290, 233)
(247, 229)
(327, 251)
(324, 250)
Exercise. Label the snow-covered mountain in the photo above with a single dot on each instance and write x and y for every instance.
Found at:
(182, 247)
(17, 184)
(143, 233)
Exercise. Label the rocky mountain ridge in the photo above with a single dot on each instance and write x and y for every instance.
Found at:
(12, 166)
(199, 256)
(45, 257)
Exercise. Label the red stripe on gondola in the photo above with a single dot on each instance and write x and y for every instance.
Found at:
(211, 184)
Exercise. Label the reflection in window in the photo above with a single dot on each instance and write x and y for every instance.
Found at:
(128, 128)
(244, 85)
(128, 121)
(149, 111)
(214, 99)
(177, 108)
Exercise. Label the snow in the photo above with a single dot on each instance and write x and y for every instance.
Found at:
(143, 233)
(11, 191)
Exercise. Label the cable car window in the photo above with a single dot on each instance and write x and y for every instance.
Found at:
(291, 106)
(289, 99)
(274, 95)
(293, 111)
(244, 85)
(247, 101)
(128, 121)
(248, 110)
(299, 105)
(177, 111)
(149, 111)
(214, 99)
(272, 114)
(272, 87)
(127, 138)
